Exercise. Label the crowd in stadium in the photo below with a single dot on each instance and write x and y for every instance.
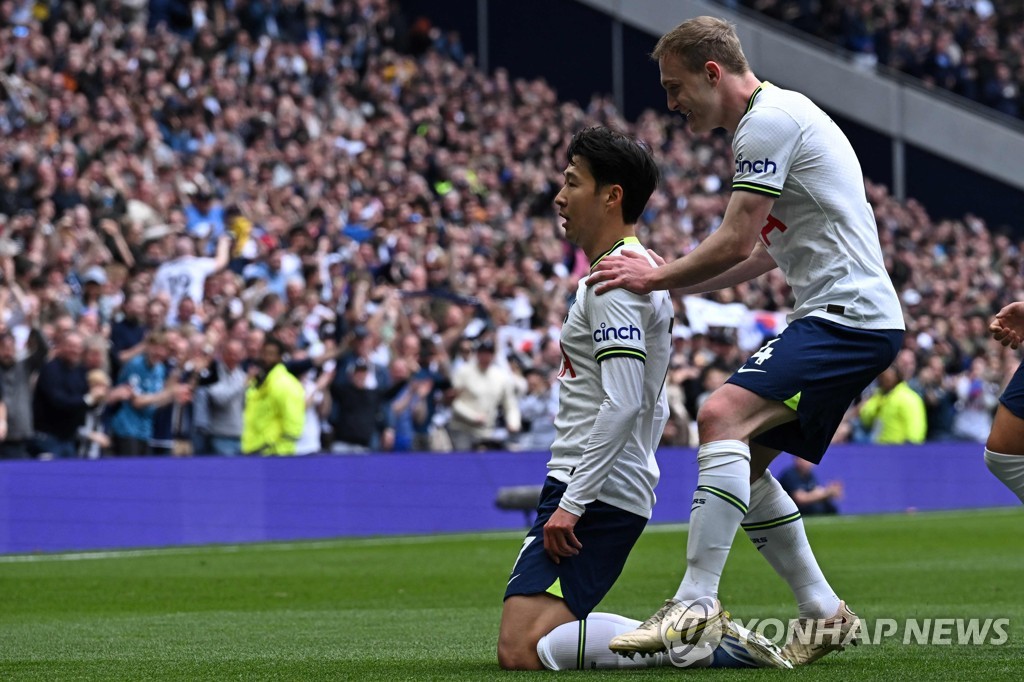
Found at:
(180, 183)
(974, 48)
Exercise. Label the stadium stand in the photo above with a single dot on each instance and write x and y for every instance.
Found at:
(378, 195)
(974, 48)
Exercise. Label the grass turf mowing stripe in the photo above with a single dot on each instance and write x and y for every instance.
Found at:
(428, 607)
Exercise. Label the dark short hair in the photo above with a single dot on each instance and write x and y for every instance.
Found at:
(276, 343)
(616, 159)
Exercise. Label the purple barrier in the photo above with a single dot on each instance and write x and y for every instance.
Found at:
(911, 477)
(116, 503)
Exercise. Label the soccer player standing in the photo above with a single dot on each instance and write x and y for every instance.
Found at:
(1004, 451)
(612, 409)
(798, 203)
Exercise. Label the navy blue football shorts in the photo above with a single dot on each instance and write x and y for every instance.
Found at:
(607, 534)
(818, 368)
(1013, 396)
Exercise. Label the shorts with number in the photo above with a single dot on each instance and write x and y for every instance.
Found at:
(607, 534)
(1013, 397)
(818, 368)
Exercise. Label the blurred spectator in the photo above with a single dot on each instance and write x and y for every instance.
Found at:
(226, 399)
(412, 412)
(92, 435)
(936, 389)
(145, 375)
(96, 354)
(204, 215)
(712, 377)
(483, 391)
(275, 406)
(358, 416)
(810, 496)
(173, 420)
(362, 346)
(90, 300)
(62, 398)
(678, 427)
(894, 414)
(400, 372)
(977, 395)
(185, 275)
(315, 383)
(1002, 91)
(538, 408)
(16, 377)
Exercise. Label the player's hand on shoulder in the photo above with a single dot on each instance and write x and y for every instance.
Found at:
(628, 270)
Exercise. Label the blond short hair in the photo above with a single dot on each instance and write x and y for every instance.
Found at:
(701, 40)
(97, 377)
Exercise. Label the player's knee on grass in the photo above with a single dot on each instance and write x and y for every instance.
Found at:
(518, 651)
(524, 620)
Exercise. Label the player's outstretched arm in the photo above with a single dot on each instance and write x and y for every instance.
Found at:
(1008, 325)
(729, 246)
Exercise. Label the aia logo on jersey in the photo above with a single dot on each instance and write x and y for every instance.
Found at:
(772, 224)
(567, 367)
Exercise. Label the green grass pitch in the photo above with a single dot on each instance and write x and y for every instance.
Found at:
(427, 608)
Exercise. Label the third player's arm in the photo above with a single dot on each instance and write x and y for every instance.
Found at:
(725, 248)
(758, 263)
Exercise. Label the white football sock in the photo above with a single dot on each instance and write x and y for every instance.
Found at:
(583, 645)
(1009, 469)
(719, 504)
(775, 527)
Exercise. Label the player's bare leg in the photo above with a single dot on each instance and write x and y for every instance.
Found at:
(524, 620)
(1004, 451)
(539, 631)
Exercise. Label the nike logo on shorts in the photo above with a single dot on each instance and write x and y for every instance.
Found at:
(750, 369)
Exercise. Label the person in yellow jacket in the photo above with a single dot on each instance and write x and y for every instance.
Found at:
(275, 406)
(895, 414)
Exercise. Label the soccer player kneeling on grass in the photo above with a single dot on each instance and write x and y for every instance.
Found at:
(612, 409)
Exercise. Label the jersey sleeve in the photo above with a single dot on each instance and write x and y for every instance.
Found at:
(617, 331)
(623, 384)
(763, 149)
(617, 325)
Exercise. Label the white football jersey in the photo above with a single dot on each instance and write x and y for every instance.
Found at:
(821, 231)
(181, 277)
(615, 352)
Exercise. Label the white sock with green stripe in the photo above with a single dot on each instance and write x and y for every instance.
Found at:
(775, 527)
(719, 504)
(583, 645)
(1009, 469)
